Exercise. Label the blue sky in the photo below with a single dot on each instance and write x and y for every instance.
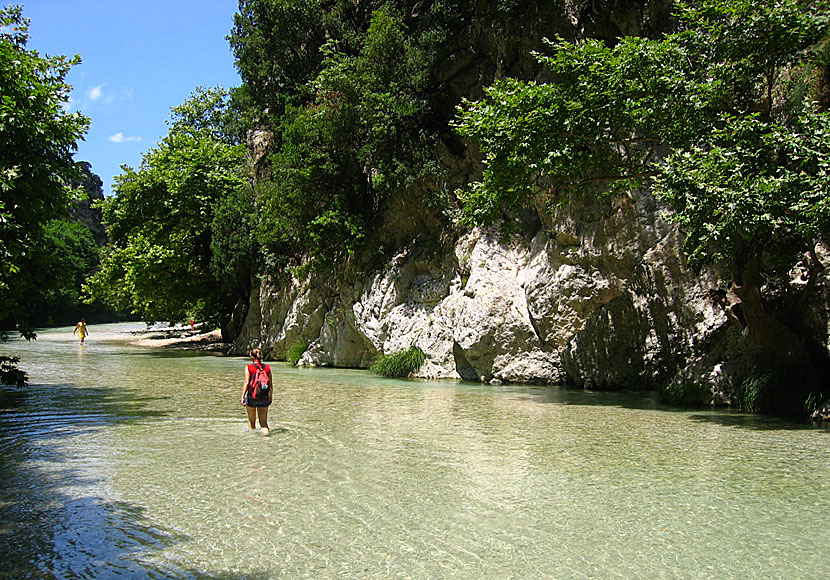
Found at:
(140, 58)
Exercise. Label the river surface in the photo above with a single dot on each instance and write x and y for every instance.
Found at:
(128, 462)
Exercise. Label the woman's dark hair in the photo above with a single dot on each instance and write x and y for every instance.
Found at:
(255, 353)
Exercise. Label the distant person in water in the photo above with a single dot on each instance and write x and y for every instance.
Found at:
(257, 406)
(81, 330)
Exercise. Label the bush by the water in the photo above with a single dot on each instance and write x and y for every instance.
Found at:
(752, 392)
(686, 394)
(787, 390)
(402, 363)
(295, 351)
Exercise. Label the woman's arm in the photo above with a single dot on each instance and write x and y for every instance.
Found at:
(245, 384)
(270, 385)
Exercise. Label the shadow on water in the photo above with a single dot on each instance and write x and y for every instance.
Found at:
(756, 422)
(650, 401)
(567, 395)
(58, 519)
(176, 353)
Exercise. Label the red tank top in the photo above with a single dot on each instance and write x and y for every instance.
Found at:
(252, 369)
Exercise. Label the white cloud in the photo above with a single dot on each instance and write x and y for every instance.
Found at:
(95, 92)
(97, 95)
(120, 138)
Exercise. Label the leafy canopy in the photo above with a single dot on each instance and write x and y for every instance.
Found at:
(39, 137)
(721, 116)
(598, 124)
(161, 220)
(354, 132)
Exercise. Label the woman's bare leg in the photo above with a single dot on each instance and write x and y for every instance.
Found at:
(252, 412)
(262, 412)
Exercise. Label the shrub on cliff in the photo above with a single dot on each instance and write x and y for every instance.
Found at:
(346, 87)
(295, 351)
(686, 394)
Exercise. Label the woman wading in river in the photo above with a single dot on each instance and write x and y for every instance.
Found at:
(257, 391)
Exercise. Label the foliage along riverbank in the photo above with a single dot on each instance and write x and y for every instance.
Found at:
(713, 123)
(366, 132)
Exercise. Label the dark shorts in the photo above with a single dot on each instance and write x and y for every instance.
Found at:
(251, 402)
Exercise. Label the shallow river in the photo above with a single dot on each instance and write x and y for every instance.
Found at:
(129, 462)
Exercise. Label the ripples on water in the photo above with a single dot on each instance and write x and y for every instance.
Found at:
(123, 462)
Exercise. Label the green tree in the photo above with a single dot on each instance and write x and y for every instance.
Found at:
(161, 220)
(277, 44)
(235, 247)
(212, 112)
(38, 137)
(721, 116)
(74, 256)
(355, 124)
(596, 129)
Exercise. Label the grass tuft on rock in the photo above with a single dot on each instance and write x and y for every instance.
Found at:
(402, 363)
(295, 351)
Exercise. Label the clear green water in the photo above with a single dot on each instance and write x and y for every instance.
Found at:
(127, 462)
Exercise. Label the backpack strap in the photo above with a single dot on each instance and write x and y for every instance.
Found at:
(252, 375)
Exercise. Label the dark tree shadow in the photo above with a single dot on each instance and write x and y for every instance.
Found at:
(758, 422)
(59, 522)
(650, 401)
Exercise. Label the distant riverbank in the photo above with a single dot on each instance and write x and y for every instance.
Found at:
(180, 337)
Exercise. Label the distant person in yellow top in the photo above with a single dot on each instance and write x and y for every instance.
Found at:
(81, 329)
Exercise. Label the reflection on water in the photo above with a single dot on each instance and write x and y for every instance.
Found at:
(127, 462)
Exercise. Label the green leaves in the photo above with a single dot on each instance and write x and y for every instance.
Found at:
(727, 195)
(595, 127)
(277, 45)
(149, 278)
(744, 175)
(162, 219)
(357, 135)
(9, 373)
(39, 137)
(375, 101)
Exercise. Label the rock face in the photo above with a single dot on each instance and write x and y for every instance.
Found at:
(596, 297)
(81, 210)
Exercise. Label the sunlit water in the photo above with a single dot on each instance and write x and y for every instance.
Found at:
(128, 462)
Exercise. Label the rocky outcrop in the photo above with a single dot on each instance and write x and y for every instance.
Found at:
(259, 142)
(594, 295)
(597, 297)
(90, 191)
